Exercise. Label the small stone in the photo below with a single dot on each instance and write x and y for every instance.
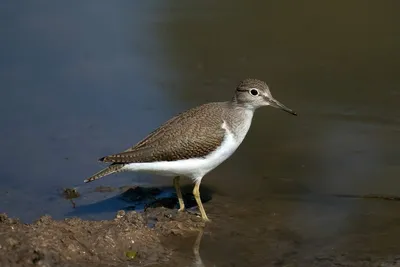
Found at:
(70, 193)
(46, 219)
(131, 254)
(120, 214)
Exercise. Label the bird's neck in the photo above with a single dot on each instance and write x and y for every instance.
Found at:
(239, 118)
(241, 105)
(239, 113)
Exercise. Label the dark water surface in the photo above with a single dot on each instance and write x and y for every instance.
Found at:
(82, 80)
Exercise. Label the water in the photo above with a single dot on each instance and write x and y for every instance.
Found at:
(82, 81)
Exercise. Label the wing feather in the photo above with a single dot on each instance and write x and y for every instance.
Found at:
(181, 137)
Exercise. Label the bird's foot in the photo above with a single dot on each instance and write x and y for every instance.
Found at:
(198, 214)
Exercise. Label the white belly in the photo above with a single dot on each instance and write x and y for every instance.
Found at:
(192, 168)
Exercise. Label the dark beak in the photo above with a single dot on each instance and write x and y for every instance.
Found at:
(279, 105)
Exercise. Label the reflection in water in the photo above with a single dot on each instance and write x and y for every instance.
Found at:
(196, 250)
(197, 261)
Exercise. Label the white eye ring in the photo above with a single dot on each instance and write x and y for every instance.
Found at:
(253, 92)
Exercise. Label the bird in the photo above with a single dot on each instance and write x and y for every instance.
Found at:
(195, 141)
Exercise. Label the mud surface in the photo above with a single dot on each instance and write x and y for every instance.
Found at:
(235, 237)
(131, 239)
(289, 230)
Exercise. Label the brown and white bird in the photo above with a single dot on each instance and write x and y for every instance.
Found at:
(196, 141)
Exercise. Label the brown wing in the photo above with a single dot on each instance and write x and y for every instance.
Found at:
(194, 133)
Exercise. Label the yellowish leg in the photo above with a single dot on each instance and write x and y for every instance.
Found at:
(179, 194)
(196, 194)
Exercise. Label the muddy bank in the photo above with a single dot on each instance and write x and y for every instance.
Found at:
(163, 237)
(131, 238)
(283, 230)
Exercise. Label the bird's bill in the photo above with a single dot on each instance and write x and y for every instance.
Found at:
(277, 104)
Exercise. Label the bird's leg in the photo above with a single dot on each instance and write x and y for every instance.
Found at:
(196, 194)
(179, 193)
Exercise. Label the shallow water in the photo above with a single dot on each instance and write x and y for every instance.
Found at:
(82, 81)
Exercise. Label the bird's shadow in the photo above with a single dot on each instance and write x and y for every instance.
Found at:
(139, 199)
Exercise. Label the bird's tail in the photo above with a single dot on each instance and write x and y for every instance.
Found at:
(109, 170)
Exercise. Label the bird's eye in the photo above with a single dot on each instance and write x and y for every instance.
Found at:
(254, 92)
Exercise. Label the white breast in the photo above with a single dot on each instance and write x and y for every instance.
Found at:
(198, 167)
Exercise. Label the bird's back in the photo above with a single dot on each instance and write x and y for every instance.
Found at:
(193, 133)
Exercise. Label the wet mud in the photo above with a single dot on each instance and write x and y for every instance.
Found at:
(159, 235)
(130, 239)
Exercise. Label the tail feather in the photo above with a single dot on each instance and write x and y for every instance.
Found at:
(113, 168)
